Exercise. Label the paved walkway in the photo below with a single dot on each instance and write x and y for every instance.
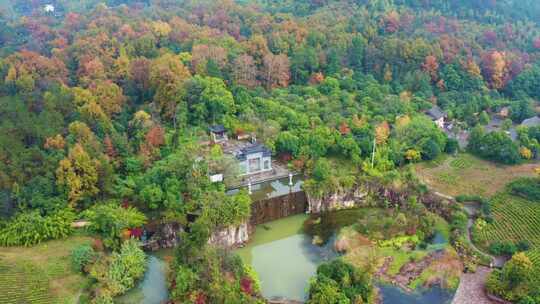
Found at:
(471, 288)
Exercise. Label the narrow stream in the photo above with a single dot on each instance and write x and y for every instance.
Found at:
(153, 287)
(285, 259)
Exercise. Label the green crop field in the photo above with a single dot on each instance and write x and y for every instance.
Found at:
(40, 274)
(23, 284)
(515, 219)
(534, 255)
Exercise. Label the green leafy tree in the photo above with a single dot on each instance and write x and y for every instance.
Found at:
(496, 146)
(111, 221)
(422, 135)
(338, 282)
(119, 272)
(209, 100)
(513, 282)
(484, 119)
(288, 142)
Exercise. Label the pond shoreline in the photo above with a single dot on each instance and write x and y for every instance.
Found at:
(153, 288)
(275, 242)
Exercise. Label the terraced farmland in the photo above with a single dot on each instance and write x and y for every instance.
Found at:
(534, 255)
(516, 219)
(23, 284)
(40, 274)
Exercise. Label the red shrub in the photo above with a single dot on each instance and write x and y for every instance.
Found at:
(411, 230)
(201, 299)
(246, 285)
(136, 232)
(97, 245)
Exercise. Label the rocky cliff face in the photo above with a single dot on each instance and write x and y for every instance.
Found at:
(231, 236)
(166, 236)
(336, 201)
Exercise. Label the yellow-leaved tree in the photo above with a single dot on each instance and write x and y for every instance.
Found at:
(78, 175)
(525, 153)
(382, 132)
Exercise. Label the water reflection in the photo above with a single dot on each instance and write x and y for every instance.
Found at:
(285, 259)
(152, 289)
(394, 295)
(285, 266)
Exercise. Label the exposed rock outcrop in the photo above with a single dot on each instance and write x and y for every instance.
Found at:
(336, 201)
(165, 236)
(231, 236)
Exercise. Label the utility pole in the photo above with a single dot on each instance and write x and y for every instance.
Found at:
(373, 153)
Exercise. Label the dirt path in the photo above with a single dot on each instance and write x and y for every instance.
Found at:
(498, 261)
(471, 288)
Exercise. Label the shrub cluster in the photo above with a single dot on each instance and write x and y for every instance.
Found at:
(117, 273)
(508, 248)
(526, 187)
(515, 282)
(111, 221)
(81, 256)
(340, 282)
(30, 228)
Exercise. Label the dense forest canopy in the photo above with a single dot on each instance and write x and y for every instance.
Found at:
(104, 85)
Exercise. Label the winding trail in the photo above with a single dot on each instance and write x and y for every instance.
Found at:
(497, 261)
(471, 288)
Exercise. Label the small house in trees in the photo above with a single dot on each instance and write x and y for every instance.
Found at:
(531, 122)
(437, 115)
(218, 133)
(255, 158)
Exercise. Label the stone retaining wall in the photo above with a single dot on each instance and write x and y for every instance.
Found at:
(275, 208)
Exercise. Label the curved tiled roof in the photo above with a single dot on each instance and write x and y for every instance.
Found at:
(252, 149)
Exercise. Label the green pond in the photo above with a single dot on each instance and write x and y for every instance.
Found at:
(285, 259)
(153, 287)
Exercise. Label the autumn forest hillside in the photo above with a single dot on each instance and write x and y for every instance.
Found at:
(105, 107)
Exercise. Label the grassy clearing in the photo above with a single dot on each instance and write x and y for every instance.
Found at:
(467, 174)
(40, 274)
(446, 271)
(365, 252)
(400, 257)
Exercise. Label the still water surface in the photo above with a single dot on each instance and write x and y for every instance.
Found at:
(153, 287)
(285, 260)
